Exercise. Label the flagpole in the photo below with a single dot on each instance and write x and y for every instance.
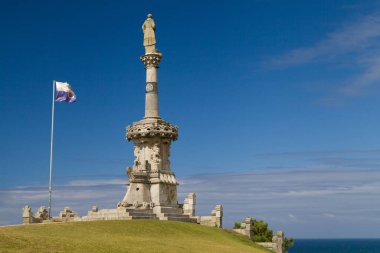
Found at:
(51, 149)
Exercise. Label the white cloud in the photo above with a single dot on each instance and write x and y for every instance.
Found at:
(350, 38)
(355, 46)
(292, 217)
(96, 182)
(367, 78)
(329, 215)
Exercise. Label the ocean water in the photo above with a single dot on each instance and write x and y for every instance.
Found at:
(336, 246)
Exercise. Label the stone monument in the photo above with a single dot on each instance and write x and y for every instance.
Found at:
(152, 185)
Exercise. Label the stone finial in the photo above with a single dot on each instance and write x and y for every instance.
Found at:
(249, 226)
(27, 215)
(189, 204)
(192, 198)
(94, 209)
(280, 241)
(26, 211)
(218, 213)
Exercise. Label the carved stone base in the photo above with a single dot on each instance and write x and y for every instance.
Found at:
(137, 196)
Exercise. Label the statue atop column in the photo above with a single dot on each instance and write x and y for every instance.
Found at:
(149, 37)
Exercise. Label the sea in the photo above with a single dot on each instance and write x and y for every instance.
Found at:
(336, 246)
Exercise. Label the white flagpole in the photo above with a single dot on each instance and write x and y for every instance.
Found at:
(51, 148)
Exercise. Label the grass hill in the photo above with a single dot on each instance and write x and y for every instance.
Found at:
(122, 236)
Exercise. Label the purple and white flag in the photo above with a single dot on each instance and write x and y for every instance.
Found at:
(64, 92)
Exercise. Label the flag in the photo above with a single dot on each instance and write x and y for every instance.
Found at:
(64, 92)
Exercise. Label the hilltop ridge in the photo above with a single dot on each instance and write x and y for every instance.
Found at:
(122, 236)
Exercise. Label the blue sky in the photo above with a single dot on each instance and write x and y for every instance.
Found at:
(277, 105)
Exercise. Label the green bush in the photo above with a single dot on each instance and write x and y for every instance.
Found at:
(288, 243)
(261, 232)
(237, 225)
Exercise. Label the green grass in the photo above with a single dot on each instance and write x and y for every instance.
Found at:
(122, 236)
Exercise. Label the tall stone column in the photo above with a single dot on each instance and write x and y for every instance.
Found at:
(151, 62)
(152, 183)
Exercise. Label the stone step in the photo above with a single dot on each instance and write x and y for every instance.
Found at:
(144, 217)
(148, 211)
(171, 210)
(183, 219)
(136, 214)
(176, 215)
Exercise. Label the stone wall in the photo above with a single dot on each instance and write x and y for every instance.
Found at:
(183, 212)
(215, 219)
(42, 215)
(277, 243)
(269, 245)
(246, 228)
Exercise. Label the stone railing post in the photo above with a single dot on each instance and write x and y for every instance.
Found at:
(189, 204)
(27, 215)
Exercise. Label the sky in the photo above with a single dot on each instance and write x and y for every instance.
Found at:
(277, 104)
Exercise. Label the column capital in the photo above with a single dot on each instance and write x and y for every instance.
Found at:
(151, 60)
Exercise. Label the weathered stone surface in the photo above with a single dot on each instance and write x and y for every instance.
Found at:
(153, 128)
(40, 216)
(215, 220)
(151, 61)
(246, 227)
(42, 213)
(269, 245)
(189, 204)
(27, 215)
(67, 214)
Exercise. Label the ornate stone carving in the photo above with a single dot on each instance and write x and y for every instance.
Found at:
(152, 129)
(137, 156)
(123, 204)
(130, 173)
(150, 87)
(155, 155)
(168, 179)
(151, 60)
(167, 158)
(150, 179)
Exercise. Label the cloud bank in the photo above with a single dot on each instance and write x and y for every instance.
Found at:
(304, 202)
